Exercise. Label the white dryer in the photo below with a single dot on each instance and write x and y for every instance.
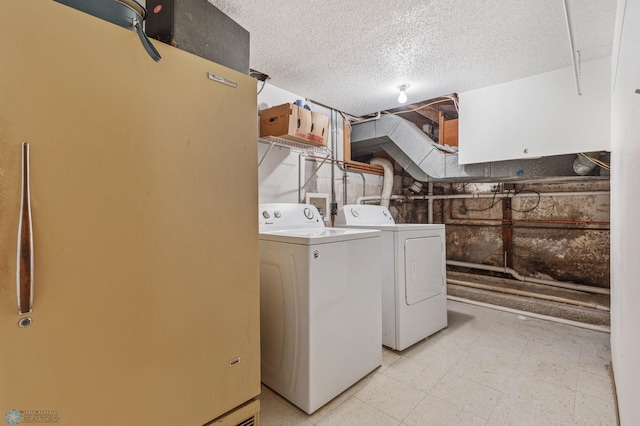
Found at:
(320, 304)
(414, 292)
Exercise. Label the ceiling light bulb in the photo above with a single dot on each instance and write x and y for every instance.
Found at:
(403, 96)
(403, 93)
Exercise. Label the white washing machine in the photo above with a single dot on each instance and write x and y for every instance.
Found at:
(320, 304)
(414, 291)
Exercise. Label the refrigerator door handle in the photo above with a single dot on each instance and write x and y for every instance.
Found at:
(24, 269)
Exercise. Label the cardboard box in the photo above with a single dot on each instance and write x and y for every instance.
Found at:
(289, 121)
(319, 129)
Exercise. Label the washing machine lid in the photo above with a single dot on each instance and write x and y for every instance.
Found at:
(318, 236)
(364, 214)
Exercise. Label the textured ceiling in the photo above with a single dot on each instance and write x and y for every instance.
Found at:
(352, 55)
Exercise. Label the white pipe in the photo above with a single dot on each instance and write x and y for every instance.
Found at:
(515, 274)
(572, 44)
(359, 200)
(482, 195)
(387, 184)
(525, 293)
(594, 327)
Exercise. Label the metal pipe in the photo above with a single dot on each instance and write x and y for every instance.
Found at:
(516, 275)
(323, 160)
(517, 292)
(482, 195)
(300, 176)
(344, 185)
(344, 166)
(301, 187)
(430, 202)
(525, 226)
(334, 144)
(574, 59)
(544, 221)
(594, 327)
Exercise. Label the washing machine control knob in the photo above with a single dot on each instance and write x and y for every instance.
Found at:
(277, 214)
(308, 213)
(384, 212)
(266, 214)
(355, 212)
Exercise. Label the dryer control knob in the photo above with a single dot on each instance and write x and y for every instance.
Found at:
(355, 212)
(308, 213)
(277, 214)
(266, 214)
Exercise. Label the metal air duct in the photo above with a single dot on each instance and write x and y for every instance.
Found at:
(416, 153)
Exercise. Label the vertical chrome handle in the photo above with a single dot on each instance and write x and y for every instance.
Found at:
(24, 269)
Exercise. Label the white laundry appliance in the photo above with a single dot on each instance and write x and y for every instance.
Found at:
(414, 292)
(320, 304)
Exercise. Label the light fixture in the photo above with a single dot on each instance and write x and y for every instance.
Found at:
(402, 98)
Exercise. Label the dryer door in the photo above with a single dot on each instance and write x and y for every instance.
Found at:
(423, 268)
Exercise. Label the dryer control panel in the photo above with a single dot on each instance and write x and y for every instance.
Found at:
(364, 214)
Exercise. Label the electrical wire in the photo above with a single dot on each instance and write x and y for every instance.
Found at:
(596, 161)
(421, 107)
(347, 119)
(264, 83)
(454, 98)
(532, 208)
(495, 200)
(449, 98)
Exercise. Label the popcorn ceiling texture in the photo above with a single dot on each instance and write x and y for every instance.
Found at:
(352, 55)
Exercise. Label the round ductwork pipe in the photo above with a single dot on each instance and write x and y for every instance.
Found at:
(582, 165)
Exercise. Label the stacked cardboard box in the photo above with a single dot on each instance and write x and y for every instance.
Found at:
(289, 121)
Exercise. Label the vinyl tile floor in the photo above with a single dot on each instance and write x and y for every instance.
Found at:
(487, 367)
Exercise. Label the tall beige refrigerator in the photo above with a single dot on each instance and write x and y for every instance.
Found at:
(129, 289)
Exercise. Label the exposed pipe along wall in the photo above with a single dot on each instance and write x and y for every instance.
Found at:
(554, 240)
(602, 328)
(516, 275)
